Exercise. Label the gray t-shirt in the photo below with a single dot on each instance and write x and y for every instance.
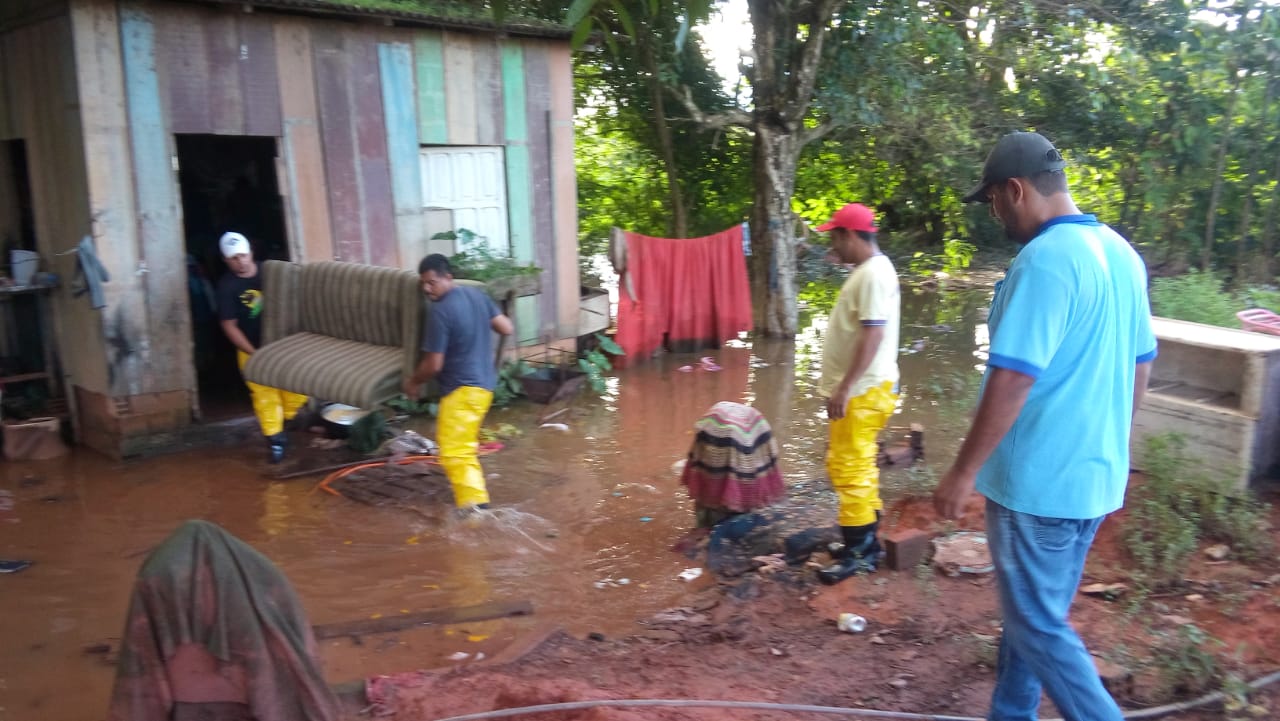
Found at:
(458, 326)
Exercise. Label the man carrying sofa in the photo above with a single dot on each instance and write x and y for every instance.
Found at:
(458, 352)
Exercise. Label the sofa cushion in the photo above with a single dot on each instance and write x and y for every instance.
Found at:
(357, 302)
(346, 371)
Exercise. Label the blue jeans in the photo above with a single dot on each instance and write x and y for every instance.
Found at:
(1038, 564)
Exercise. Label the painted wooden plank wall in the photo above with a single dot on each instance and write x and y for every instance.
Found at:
(432, 112)
(371, 147)
(538, 120)
(166, 351)
(96, 28)
(47, 120)
(564, 190)
(182, 48)
(460, 88)
(306, 189)
(401, 117)
(259, 83)
(226, 98)
(488, 93)
(519, 189)
(338, 136)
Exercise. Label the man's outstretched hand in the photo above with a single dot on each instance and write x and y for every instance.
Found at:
(952, 492)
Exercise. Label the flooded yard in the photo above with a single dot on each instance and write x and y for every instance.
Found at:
(600, 507)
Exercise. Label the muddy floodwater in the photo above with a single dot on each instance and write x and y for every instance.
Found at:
(599, 508)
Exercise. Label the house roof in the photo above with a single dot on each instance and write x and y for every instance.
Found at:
(447, 14)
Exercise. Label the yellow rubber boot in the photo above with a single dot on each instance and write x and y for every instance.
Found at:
(851, 454)
(458, 433)
(268, 405)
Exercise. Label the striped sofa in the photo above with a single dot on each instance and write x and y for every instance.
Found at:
(340, 332)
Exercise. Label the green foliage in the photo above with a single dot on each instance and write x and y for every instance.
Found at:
(1196, 296)
(477, 261)
(1185, 663)
(508, 388)
(404, 404)
(1178, 505)
(368, 433)
(595, 362)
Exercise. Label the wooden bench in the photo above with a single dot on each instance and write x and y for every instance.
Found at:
(1220, 389)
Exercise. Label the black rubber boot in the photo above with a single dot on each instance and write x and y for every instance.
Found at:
(860, 554)
(276, 447)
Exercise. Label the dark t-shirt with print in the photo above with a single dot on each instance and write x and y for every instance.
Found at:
(240, 299)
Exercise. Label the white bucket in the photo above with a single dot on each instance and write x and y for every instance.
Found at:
(22, 264)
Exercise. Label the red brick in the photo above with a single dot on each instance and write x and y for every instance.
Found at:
(905, 548)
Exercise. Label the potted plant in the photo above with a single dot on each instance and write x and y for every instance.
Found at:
(504, 277)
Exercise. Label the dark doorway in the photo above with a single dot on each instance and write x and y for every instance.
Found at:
(228, 183)
(17, 219)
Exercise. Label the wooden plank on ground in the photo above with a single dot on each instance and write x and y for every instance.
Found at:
(171, 366)
(182, 49)
(564, 191)
(371, 149)
(400, 113)
(338, 136)
(436, 617)
(428, 48)
(258, 80)
(306, 190)
(460, 87)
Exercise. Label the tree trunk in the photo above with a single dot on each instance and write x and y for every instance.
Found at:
(679, 225)
(1269, 227)
(1243, 269)
(1228, 121)
(773, 248)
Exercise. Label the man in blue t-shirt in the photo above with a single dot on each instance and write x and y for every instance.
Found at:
(1071, 351)
(457, 347)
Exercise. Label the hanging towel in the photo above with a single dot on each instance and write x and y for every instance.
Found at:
(90, 274)
(692, 291)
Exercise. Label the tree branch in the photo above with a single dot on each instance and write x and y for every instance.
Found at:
(710, 120)
(817, 132)
(806, 76)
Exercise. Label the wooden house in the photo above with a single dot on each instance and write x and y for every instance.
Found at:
(321, 129)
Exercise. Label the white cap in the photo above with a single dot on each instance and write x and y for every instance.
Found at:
(233, 244)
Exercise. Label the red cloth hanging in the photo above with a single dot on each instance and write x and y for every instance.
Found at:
(693, 291)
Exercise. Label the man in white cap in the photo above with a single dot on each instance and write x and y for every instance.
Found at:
(240, 311)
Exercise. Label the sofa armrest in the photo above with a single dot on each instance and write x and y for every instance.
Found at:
(411, 327)
(280, 283)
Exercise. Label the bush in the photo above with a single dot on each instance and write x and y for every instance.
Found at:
(1185, 664)
(1197, 297)
(1202, 298)
(1179, 505)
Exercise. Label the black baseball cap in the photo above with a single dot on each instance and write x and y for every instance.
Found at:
(1016, 155)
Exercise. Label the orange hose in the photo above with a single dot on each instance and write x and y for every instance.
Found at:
(484, 450)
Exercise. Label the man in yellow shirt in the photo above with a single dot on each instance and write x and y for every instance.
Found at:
(860, 383)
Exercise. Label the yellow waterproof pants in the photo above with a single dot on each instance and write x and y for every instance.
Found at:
(458, 433)
(272, 406)
(851, 454)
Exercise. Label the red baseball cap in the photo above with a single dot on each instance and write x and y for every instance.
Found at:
(854, 216)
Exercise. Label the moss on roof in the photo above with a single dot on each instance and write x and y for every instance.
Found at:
(463, 14)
